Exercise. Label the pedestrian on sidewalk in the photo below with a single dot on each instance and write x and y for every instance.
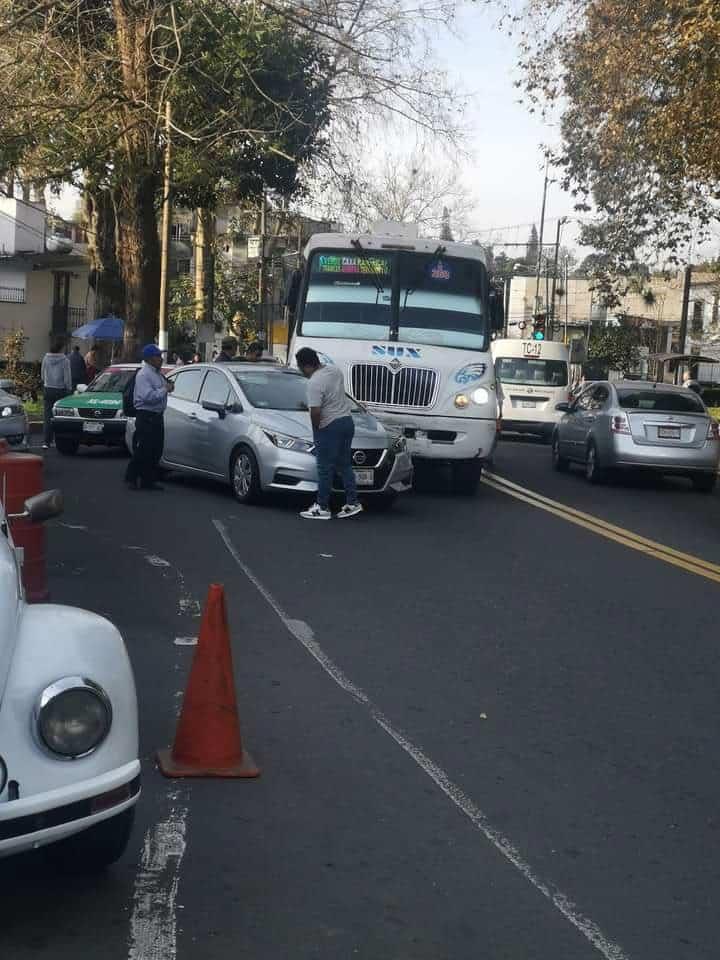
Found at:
(149, 400)
(91, 364)
(228, 351)
(333, 431)
(77, 367)
(57, 383)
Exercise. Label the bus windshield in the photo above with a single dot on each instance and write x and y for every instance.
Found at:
(530, 372)
(423, 298)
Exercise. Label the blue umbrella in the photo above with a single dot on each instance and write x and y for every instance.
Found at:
(105, 328)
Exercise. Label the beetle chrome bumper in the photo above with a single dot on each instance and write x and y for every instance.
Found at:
(30, 822)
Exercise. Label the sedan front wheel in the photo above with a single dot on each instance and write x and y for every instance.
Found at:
(245, 476)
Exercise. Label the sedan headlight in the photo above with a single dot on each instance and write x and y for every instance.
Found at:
(64, 411)
(480, 396)
(9, 411)
(290, 443)
(73, 717)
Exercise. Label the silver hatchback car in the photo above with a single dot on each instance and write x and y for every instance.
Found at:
(638, 425)
(248, 424)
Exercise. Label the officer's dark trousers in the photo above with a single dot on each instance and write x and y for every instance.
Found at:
(147, 448)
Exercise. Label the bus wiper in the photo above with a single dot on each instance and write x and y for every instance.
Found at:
(363, 259)
(439, 252)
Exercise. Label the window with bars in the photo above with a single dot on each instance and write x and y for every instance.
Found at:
(12, 294)
(698, 315)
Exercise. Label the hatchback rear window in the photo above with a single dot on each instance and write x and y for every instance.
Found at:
(660, 401)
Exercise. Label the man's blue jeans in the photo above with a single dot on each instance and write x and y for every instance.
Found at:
(333, 449)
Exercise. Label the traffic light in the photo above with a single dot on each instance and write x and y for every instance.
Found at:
(539, 326)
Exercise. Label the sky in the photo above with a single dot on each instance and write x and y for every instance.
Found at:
(506, 172)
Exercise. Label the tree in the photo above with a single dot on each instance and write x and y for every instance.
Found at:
(85, 88)
(408, 189)
(445, 229)
(634, 86)
(616, 348)
(533, 248)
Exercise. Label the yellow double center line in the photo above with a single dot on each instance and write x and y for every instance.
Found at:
(686, 561)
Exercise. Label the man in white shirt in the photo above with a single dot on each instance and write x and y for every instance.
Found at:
(333, 431)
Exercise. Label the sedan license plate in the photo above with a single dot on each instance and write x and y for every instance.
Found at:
(93, 427)
(527, 403)
(364, 478)
(668, 433)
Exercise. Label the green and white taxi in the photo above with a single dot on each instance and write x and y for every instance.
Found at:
(94, 415)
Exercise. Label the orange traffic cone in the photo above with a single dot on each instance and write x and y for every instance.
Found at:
(207, 741)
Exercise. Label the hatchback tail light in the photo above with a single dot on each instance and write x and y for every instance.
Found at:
(713, 430)
(620, 424)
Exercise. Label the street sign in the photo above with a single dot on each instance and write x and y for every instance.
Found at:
(254, 248)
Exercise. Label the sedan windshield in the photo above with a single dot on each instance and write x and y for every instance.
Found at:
(111, 381)
(269, 390)
(661, 401)
(521, 370)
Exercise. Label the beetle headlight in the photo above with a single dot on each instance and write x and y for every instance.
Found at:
(73, 717)
(290, 443)
(480, 396)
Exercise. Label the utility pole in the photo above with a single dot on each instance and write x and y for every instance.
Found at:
(561, 222)
(261, 270)
(165, 238)
(540, 243)
(684, 315)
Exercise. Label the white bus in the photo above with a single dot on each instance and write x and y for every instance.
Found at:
(533, 375)
(409, 322)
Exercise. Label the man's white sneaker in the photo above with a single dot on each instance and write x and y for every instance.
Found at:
(350, 510)
(316, 512)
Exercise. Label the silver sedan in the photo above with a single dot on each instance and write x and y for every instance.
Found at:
(248, 424)
(638, 425)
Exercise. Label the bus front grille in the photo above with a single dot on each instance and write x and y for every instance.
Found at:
(408, 387)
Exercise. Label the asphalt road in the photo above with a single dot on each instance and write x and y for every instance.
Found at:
(485, 731)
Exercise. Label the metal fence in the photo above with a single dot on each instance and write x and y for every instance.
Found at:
(12, 295)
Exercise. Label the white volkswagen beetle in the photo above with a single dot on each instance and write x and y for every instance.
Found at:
(69, 768)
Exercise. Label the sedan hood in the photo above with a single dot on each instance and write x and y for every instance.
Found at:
(369, 432)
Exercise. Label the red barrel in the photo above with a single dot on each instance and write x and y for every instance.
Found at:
(21, 477)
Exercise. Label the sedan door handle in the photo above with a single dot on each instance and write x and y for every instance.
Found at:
(193, 416)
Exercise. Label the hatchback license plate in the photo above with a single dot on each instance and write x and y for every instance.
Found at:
(93, 427)
(527, 403)
(668, 433)
(364, 478)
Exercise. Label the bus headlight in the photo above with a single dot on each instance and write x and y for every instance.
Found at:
(462, 401)
(73, 717)
(480, 396)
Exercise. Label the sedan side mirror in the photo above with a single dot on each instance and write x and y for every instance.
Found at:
(563, 407)
(234, 407)
(43, 506)
(219, 408)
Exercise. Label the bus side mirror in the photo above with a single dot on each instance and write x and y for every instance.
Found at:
(292, 291)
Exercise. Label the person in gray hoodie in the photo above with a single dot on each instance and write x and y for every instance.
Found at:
(57, 383)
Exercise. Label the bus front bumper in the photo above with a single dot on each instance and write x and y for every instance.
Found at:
(444, 438)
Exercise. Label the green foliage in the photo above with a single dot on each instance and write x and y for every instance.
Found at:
(12, 350)
(615, 347)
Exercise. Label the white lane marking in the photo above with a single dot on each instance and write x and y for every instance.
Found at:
(303, 632)
(71, 526)
(153, 928)
(186, 641)
(188, 606)
(157, 561)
